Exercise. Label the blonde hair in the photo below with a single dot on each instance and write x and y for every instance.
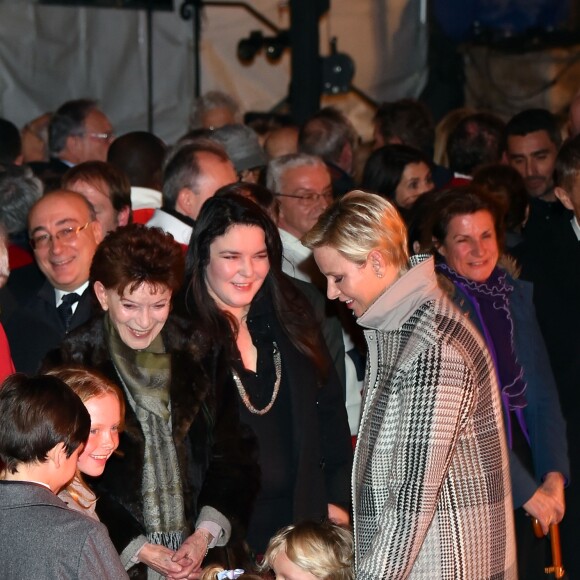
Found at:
(359, 223)
(211, 572)
(325, 550)
(87, 384)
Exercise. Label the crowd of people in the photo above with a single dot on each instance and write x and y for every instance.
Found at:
(273, 351)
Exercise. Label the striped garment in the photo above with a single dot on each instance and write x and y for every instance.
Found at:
(431, 487)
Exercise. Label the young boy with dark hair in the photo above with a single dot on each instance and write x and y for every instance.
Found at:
(43, 429)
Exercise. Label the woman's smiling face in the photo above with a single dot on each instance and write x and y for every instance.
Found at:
(238, 266)
(137, 316)
(470, 246)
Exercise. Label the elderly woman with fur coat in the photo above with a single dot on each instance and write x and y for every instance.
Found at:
(181, 474)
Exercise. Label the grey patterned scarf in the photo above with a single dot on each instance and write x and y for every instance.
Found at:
(145, 376)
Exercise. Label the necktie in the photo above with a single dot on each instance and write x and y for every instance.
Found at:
(65, 310)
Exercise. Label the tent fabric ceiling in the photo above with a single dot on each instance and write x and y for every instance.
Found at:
(49, 54)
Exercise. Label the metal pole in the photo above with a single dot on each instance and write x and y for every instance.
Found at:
(306, 83)
(150, 105)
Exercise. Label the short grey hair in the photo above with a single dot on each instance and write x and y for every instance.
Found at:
(277, 167)
(19, 190)
(326, 133)
(208, 101)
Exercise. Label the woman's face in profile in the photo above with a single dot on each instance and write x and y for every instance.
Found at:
(357, 285)
(470, 246)
(238, 266)
(137, 316)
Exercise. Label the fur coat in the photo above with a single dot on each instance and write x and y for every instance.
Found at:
(216, 460)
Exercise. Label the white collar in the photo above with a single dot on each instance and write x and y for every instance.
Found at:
(145, 198)
(292, 242)
(180, 231)
(576, 227)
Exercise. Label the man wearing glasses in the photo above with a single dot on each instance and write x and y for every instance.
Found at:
(79, 131)
(55, 297)
(303, 188)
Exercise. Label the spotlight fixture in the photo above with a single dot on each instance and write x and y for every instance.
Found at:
(249, 47)
(273, 46)
(337, 71)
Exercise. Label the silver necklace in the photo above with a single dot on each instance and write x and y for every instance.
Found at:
(244, 395)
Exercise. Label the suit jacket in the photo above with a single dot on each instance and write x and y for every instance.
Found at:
(34, 327)
(554, 268)
(50, 172)
(41, 538)
(553, 265)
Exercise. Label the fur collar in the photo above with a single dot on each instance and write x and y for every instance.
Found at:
(190, 357)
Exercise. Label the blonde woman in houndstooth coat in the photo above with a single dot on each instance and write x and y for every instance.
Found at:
(431, 487)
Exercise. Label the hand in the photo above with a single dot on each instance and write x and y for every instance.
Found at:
(338, 515)
(191, 554)
(547, 504)
(159, 558)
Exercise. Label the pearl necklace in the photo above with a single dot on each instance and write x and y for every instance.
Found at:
(244, 395)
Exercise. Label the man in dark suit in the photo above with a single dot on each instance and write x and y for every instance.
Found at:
(43, 429)
(78, 131)
(53, 296)
(553, 265)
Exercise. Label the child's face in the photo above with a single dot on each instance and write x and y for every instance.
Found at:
(105, 412)
(287, 570)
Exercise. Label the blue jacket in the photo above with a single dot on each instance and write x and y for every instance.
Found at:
(543, 415)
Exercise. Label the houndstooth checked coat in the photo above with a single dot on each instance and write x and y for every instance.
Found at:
(431, 487)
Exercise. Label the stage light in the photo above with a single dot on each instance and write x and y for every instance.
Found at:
(249, 47)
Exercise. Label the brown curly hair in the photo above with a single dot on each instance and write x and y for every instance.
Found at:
(134, 255)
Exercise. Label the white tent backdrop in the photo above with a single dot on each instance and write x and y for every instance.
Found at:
(50, 54)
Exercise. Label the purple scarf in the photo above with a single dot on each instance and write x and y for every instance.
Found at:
(491, 302)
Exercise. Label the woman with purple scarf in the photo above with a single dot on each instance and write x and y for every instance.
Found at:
(467, 235)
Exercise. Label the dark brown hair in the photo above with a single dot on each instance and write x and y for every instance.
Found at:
(134, 255)
(36, 414)
(464, 201)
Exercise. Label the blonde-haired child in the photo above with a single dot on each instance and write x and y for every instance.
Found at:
(311, 551)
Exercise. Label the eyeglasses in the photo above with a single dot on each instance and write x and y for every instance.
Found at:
(102, 136)
(66, 236)
(309, 197)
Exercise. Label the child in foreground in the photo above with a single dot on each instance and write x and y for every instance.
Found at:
(104, 402)
(311, 551)
(306, 551)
